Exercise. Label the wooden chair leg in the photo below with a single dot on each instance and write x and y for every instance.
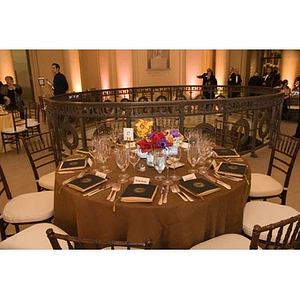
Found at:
(2, 229)
(17, 228)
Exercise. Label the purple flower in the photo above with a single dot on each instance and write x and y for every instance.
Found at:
(175, 133)
(162, 143)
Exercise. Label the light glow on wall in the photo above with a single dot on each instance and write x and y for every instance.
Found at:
(72, 60)
(124, 63)
(6, 65)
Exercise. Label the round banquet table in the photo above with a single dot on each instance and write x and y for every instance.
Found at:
(174, 225)
(6, 121)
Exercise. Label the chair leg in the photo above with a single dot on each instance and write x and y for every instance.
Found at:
(17, 228)
(3, 226)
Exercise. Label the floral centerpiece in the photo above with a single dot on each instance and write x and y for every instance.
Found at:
(156, 139)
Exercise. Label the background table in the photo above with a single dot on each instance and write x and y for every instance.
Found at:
(175, 225)
(6, 121)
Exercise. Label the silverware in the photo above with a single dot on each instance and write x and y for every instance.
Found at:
(162, 193)
(100, 189)
(187, 196)
(116, 189)
(227, 177)
(165, 199)
(177, 191)
(213, 179)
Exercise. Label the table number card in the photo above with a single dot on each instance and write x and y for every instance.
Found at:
(189, 177)
(128, 134)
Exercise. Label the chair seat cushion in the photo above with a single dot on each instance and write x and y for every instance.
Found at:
(32, 123)
(264, 186)
(33, 237)
(225, 241)
(30, 207)
(11, 130)
(258, 212)
(47, 181)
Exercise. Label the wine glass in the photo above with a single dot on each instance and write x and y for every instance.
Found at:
(103, 152)
(168, 180)
(193, 156)
(173, 158)
(122, 160)
(159, 163)
(134, 158)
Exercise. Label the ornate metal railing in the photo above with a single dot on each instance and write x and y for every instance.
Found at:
(73, 117)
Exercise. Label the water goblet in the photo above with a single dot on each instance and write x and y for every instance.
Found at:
(122, 161)
(168, 180)
(134, 158)
(193, 156)
(159, 163)
(173, 158)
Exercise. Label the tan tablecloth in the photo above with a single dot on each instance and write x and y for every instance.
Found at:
(175, 225)
(6, 121)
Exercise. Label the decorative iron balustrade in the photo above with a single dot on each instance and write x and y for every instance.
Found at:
(73, 117)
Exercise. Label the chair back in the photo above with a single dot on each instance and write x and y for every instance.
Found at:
(33, 111)
(163, 123)
(231, 134)
(284, 234)
(283, 155)
(4, 187)
(80, 243)
(109, 125)
(40, 152)
(17, 120)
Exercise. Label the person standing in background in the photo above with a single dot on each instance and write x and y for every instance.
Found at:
(268, 79)
(231, 81)
(12, 95)
(297, 87)
(60, 84)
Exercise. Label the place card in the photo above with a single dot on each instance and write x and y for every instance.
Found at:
(189, 177)
(128, 134)
(141, 180)
(90, 162)
(100, 174)
(184, 145)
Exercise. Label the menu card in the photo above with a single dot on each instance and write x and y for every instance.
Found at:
(73, 164)
(223, 152)
(233, 169)
(199, 187)
(139, 193)
(86, 182)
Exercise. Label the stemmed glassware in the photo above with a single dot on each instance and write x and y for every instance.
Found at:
(122, 161)
(174, 157)
(103, 152)
(134, 158)
(205, 148)
(193, 156)
(168, 180)
(159, 163)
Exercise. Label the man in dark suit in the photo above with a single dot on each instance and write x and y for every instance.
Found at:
(268, 79)
(60, 83)
(231, 81)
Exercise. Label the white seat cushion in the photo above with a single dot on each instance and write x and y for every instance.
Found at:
(31, 207)
(225, 241)
(264, 185)
(47, 181)
(33, 237)
(32, 123)
(11, 130)
(257, 212)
